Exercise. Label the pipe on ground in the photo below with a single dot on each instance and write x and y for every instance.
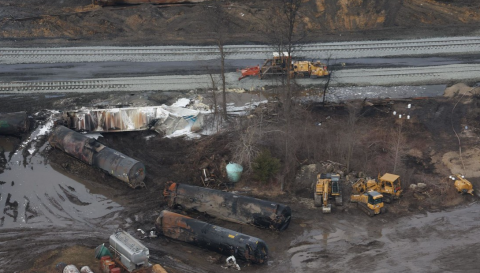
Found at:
(212, 237)
(96, 154)
(228, 206)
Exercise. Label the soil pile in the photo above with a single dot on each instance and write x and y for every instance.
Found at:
(54, 23)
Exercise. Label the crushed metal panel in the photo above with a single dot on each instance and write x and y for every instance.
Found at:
(163, 119)
(212, 237)
(114, 120)
(96, 154)
(228, 206)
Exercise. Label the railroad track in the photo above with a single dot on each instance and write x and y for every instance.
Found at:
(454, 45)
(359, 77)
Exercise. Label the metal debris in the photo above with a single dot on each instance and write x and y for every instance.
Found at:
(231, 262)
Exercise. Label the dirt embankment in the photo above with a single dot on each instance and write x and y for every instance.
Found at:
(80, 23)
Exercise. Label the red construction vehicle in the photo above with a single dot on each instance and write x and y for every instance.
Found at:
(278, 66)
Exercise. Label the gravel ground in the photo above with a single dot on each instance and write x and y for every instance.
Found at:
(338, 50)
(355, 77)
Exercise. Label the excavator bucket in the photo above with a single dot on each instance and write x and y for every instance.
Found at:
(327, 208)
(250, 71)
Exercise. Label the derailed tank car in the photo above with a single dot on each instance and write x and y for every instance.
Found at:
(212, 237)
(96, 154)
(13, 123)
(228, 206)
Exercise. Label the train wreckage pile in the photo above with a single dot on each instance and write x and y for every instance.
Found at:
(68, 135)
(369, 194)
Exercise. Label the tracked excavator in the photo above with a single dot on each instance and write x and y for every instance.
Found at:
(370, 202)
(461, 184)
(278, 66)
(388, 185)
(327, 187)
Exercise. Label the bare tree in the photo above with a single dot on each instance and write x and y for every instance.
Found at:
(219, 22)
(397, 144)
(282, 27)
(351, 130)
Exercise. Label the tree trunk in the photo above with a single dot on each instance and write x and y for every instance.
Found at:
(222, 74)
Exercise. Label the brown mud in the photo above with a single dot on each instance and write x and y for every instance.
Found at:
(47, 218)
(312, 238)
(75, 23)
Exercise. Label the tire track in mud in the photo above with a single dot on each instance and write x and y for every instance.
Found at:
(447, 46)
(433, 242)
(359, 77)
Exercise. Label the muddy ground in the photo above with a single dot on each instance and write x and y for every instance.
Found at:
(337, 241)
(74, 23)
(428, 230)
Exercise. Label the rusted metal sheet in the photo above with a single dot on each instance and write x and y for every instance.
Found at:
(212, 237)
(113, 120)
(13, 123)
(96, 154)
(228, 206)
(135, 2)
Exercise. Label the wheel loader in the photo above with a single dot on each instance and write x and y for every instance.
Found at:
(278, 66)
(388, 185)
(327, 187)
(370, 202)
(461, 184)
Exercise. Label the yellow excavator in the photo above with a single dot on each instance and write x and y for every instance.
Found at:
(370, 202)
(328, 186)
(388, 185)
(461, 184)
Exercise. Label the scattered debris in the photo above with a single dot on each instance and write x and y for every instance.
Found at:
(231, 262)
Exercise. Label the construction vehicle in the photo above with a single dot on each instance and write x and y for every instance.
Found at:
(370, 202)
(278, 65)
(328, 186)
(461, 184)
(388, 185)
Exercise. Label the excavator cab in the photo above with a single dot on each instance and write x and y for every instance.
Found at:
(389, 185)
(374, 198)
(327, 187)
(370, 202)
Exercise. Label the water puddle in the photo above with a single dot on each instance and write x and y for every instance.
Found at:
(431, 242)
(33, 194)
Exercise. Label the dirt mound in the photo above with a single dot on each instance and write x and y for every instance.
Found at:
(466, 164)
(320, 20)
(458, 89)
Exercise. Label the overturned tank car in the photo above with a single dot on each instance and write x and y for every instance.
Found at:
(13, 123)
(96, 154)
(212, 237)
(228, 206)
